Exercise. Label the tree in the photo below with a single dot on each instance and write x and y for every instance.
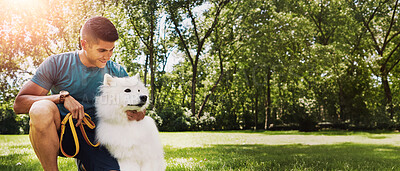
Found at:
(143, 16)
(225, 43)
(380, 19)
(339, 41)
(192, 38)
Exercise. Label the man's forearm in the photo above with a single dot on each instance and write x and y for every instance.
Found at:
(23, 103)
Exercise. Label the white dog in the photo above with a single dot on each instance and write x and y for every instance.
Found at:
(135, 144)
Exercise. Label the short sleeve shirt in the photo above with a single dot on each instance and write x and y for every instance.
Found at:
(66, 72)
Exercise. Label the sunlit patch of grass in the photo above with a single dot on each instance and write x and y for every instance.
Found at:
(16, 153)
(236, 150)
(215, 158)
(346, 156)
(376, 137)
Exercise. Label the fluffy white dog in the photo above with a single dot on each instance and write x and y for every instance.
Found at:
(135, 144)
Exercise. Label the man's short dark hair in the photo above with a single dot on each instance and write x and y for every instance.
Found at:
(99, 28)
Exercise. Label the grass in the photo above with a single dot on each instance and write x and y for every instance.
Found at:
(247, 150)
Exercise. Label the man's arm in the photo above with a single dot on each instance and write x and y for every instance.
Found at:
(30, 93)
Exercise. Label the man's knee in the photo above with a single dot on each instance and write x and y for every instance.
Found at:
(43, 112)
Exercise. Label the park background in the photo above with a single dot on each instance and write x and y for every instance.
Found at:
(226, 64)
(233, 75)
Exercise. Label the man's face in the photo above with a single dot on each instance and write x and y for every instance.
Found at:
(97, 54)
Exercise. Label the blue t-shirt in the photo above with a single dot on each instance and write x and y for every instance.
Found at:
(66, 72)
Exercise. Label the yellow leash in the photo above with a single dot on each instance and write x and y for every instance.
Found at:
(87, 120)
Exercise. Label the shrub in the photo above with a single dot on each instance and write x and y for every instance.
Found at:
(181, 119)
(156, 117)
(8, 123)
(207, 122)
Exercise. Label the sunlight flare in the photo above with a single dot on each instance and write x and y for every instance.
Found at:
(31, 5)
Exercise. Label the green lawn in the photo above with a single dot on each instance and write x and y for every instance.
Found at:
(246, 150)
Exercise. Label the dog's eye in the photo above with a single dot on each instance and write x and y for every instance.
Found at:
(138, 90)
(127, 90)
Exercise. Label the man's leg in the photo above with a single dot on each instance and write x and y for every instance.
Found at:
(44, 122)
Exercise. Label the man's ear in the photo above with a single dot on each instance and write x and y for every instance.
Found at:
(84, 44)
(108, 80)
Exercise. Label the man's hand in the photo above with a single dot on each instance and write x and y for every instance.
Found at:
(134, 115)
(75, 108)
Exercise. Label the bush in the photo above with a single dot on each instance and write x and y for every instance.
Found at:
(175, 119)
(207, 122)
(23, 123)
(8, 122)
(308, 124)
(181, 119)
(156, 117)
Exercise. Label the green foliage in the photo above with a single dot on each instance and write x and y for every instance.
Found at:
(11, 123)
(181, 119)
(8, 123)
(243, 64)
(30, 31)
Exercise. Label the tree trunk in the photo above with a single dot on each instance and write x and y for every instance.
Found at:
(194, 80)
(221, 67)
(342, 103)
(268, 104)
(388, 95)
(145, 70)
(208, 96)
(256, 112)
(152, 71)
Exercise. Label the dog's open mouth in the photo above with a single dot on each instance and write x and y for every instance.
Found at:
(140, 104)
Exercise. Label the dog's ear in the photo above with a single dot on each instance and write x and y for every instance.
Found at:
(108, 80)
(137, 76)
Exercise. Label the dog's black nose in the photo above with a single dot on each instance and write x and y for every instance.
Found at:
(143, 98)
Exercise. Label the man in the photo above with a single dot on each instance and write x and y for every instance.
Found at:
(77, 75)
